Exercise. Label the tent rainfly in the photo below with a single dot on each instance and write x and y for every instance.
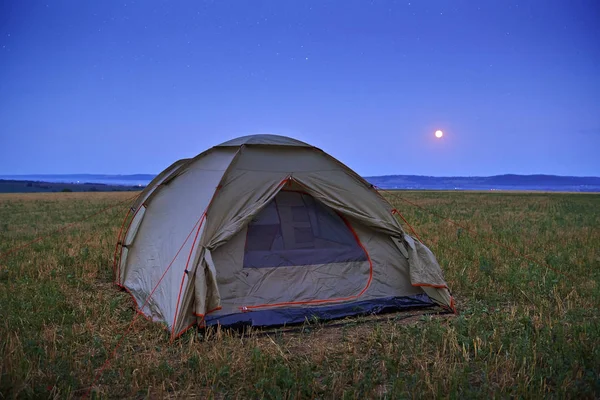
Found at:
(268, 230)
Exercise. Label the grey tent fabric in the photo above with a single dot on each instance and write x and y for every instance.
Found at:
(263, 227)
(269, 140)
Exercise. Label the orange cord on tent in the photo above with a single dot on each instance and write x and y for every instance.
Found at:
(114, 352)
(42, 237)
(476, 235)
(394, 211)
(185, 271)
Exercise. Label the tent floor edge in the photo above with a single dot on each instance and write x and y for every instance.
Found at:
(295, 315)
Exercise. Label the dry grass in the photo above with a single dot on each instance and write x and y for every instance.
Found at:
(522, 330)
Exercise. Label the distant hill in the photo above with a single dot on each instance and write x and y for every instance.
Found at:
(100, 182)
(497, 182)
(126, 180)
(20, 186)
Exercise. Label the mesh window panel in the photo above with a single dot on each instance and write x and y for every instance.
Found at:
(299, 214)
(294, 229)
(304, 235)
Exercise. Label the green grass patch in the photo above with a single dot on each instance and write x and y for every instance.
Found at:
(523, 330)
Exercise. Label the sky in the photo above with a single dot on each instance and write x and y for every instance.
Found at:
(122, 87)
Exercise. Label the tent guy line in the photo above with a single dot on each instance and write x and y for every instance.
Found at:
(395, 211)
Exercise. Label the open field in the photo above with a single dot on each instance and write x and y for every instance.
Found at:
(522, 330)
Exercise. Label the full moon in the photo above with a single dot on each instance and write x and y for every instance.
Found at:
(439, 134)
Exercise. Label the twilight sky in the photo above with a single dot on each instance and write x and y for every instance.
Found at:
(131, 86)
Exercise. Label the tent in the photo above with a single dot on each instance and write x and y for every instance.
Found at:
(268, 230)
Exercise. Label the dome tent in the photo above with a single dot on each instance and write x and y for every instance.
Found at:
(268, 230)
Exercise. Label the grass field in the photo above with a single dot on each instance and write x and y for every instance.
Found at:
(522, 330)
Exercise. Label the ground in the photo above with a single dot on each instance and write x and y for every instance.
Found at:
(526, 327)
